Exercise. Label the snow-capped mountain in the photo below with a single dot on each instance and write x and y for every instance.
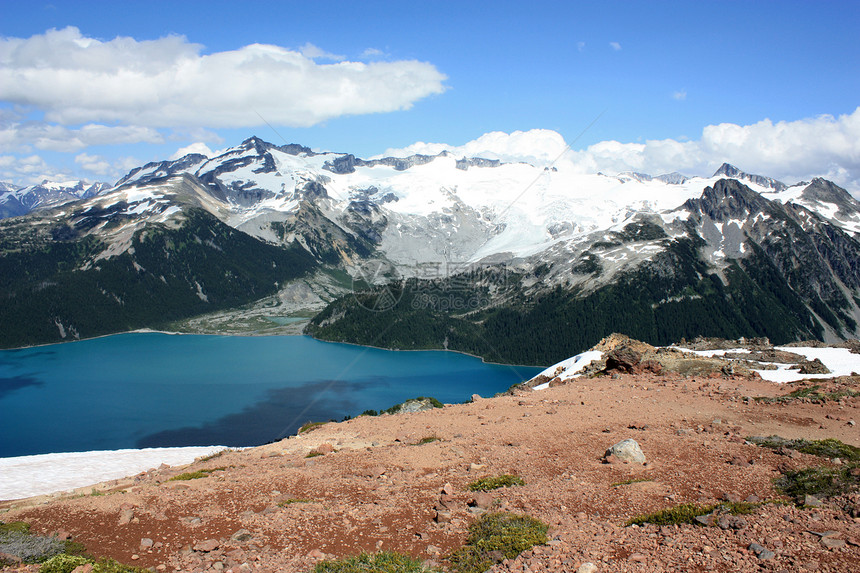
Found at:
(16, 201)
(432, 217)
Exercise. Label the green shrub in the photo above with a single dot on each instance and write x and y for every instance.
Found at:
(810, 394)
(819, 481)
(189, 476)
(293, 500)
(496, 537)
(827, 448)
(688, 512)
(107, 565)
(310, 426)
(63, 564)
(313, 454)
(490, 483)
(630, 481)
(428, 440)
(382, 562)
(14, 526)
(398, 407)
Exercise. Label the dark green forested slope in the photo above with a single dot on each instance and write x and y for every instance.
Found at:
(662, 301)
(58, 282)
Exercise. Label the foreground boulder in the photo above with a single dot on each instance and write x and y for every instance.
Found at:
(626, 451)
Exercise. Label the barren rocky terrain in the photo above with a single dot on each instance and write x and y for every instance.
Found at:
(399, 482)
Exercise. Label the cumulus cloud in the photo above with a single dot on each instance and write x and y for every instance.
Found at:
(29, 170)
(615, 46)
(680, 95)
(197, 147)
(169, 82)
(823, 146)
(540, 146)
(311, 51)
(15, 136)
(93, 163)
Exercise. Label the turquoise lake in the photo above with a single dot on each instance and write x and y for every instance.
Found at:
(153, 390)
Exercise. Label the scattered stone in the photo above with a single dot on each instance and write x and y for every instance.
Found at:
(482, 500)
(146, 543)
(207, 546)
(761, 552)
(587, 568)
(476, 467)
(125, 516)
(731, 522)
(325, 448)
(811, 501)
(637, 558)
(241, 536)
(316, 554)
(85, 568)
(627, 451)
(832, 542)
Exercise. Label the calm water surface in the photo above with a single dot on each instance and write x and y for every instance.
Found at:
(148, 390)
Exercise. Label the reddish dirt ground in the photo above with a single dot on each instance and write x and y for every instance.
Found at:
(379, 488)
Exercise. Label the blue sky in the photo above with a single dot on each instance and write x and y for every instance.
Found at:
(445, 72)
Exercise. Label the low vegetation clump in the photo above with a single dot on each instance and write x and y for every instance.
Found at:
(68, 563)
(397, 408)
(195, 475)
(688, 512)
(827, 448)
(819, 481)
(16, 540)
(382, 562)
(310, 426)
(217, 454)
(631, 481)
(428, 440)
(292, 500)
(809, 394)
(496, 537)
(496, 482)
(313, 454)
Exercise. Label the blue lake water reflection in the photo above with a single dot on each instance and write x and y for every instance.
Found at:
(150, 390)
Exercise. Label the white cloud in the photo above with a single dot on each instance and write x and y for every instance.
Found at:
(93, 163)
(52, 137)
(823, 146)
(373, 53)
(197, 147)
(29, 170)
(615, 46)
(680, 95)
(580, 46)
(167, 82)
(540, 146)
(311, 51)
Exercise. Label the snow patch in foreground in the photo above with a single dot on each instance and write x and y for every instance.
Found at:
(839, 361)
(570, 368)
(42, 474)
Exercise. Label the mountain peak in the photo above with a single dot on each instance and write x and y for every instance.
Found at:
(729, 170)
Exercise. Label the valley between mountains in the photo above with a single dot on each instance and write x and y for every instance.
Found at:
(514, 262)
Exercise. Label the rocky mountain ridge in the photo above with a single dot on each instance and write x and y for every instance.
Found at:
(440, 221)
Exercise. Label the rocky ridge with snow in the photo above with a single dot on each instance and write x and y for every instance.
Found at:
(433, 217)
